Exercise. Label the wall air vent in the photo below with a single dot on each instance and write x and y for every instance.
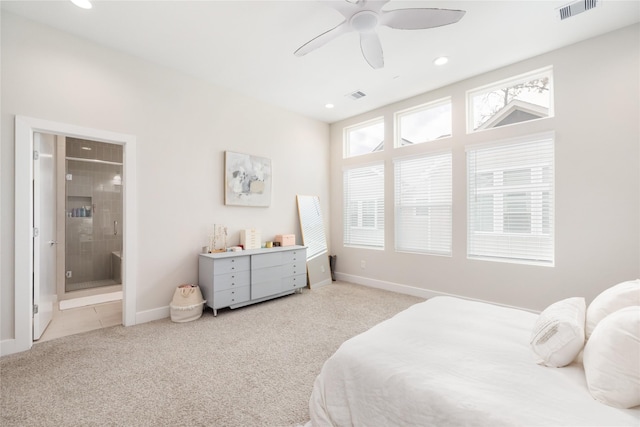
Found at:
(357, 95)
(577, 7)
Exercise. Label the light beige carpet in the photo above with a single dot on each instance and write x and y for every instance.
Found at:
(253, 366)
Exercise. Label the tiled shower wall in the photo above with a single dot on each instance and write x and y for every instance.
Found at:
(93, 203)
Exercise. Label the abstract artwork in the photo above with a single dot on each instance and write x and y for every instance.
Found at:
(247, 180)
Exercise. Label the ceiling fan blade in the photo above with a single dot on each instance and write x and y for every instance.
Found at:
(345, 8)
(372, 49)
(349, 7)
(323, 39)
(374, 5)
(420, 18)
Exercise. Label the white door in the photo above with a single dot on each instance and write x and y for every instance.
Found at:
(44, 241)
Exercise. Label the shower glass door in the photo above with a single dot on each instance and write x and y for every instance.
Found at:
(94, 213)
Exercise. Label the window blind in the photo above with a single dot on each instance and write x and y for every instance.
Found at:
(364, 206)
(511, 200)
(423, 198)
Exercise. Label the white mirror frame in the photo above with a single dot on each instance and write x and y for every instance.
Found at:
(314, 237)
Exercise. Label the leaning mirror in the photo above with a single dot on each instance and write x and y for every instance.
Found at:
(314, 238)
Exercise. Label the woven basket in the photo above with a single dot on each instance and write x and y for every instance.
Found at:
(187, 304)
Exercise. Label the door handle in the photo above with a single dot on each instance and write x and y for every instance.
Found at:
(115, 228)
(52, 242)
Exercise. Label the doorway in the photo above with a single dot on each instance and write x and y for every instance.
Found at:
(25, 129)
(86, 187)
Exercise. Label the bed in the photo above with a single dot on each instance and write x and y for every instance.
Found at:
(449, 362)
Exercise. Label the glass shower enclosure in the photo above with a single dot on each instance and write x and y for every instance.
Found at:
(94, 214)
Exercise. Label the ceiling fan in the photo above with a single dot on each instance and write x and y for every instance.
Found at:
(364, 16)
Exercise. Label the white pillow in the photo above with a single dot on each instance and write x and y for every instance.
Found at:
(616, 297)
(612, 359)
(558, 334)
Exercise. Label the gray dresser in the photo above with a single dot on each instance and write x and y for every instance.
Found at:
(236, 279)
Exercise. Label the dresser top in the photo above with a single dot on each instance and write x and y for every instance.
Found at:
(217, 255)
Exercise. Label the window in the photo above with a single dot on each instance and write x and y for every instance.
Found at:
(510, 205)
(364, 206)
(523, 98)
(424, 123)
(423, 204)
(364, 138)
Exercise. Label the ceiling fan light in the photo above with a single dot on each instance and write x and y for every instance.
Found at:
(441, 60)
(364, 21)
(84, 4)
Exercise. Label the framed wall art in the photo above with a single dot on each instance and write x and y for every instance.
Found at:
(247, 180)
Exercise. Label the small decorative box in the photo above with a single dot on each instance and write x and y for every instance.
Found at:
(286, 239)
(250, 238)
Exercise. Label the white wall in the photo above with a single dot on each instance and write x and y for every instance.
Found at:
(597, 132)
(182, 127)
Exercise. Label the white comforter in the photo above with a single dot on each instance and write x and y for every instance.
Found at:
(451, 362)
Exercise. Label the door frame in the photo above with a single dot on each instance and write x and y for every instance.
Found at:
(23, 307)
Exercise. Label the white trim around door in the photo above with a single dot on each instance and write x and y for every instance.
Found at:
(24, 130)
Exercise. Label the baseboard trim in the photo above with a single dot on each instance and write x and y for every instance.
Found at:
(152, 315)
(412, 290)
(388, 286)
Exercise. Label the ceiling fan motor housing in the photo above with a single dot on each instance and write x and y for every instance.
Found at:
(364, 21)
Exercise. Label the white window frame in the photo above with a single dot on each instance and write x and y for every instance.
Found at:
(419, 108)
(490, 242)
(346, 137)
(372, 237)
(432, 242)
(512, 81)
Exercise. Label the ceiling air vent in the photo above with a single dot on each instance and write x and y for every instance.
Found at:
(357, 95)
(577, 7)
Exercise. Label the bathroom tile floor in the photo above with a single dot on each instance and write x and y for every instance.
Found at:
(83, 319)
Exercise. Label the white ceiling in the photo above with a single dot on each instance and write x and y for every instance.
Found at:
(248, 46)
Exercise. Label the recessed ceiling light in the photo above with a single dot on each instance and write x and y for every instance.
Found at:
(84, 4)
(441, 60)
(328, 105)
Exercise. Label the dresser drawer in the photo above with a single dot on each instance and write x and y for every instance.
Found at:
(266, 288)
(294, 282)
(294, 255)
(266, 274)
(231, 280)
(230, 265)
(266, 260)
(298, 267)
(231, 296)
